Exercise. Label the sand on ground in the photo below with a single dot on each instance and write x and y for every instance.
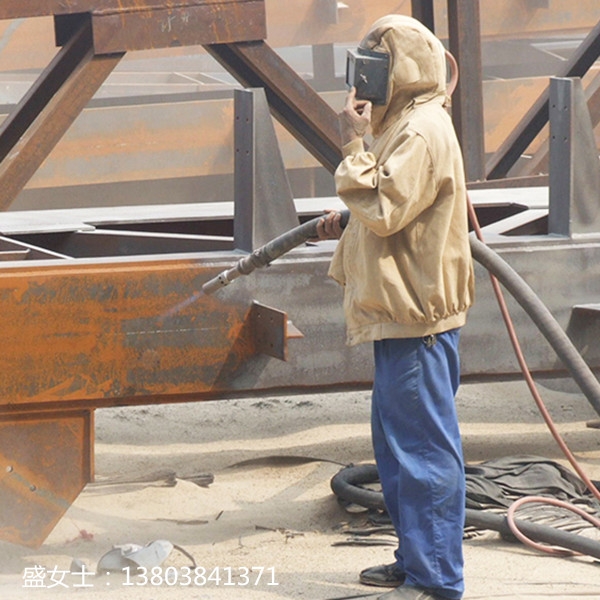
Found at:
(268, 526)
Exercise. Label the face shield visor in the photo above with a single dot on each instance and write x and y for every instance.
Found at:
(368, 72)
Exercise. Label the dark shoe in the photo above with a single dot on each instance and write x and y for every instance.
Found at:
(383, 576)
(407, 592)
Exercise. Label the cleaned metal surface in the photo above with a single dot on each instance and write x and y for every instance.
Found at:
(272, 329)
(264, 205)
(574, 164)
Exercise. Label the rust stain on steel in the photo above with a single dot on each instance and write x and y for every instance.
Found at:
(505, 102)
(45, 461)
(181, 25)
(53, 115)
(95, 332)
(515, 19)
(187, 139)
(13, 9)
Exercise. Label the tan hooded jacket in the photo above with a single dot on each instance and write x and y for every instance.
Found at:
(404, 258)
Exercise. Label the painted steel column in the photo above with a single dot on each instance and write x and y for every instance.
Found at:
(467, 102)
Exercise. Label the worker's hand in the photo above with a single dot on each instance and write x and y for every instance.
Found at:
(329, 227)
(355, 118)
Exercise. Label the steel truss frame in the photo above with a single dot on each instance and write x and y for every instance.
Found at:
(103, 331)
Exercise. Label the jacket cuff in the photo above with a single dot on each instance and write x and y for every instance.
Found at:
(354, 147)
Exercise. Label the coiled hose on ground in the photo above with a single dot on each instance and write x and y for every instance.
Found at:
(499, 271)
(347, 485)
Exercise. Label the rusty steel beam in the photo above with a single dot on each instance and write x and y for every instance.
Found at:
(15, 9)
(45, 461)
(41, 92)
(112, 333)
(292, 101)
(467, 101)
(532, 123)
(78, 74)
(176, 24)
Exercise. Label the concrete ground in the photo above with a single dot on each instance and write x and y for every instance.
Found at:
(270, 512)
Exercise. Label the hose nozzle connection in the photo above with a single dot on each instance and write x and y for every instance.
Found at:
(221, 280)
(268, 253)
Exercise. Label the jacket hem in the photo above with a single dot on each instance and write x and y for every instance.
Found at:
(381, 331)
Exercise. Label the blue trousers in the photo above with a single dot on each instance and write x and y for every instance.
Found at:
(419, 458)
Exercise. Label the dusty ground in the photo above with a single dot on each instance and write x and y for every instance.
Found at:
(271, 507)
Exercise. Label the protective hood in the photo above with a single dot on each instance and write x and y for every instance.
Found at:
(417, 66)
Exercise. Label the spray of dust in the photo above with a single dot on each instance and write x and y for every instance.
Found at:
(181, 306)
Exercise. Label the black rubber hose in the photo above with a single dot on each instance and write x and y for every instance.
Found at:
(542, 317)
(272, 250)
(489, 259)
(346, 485)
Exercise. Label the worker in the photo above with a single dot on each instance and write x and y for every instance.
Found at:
(405, 265)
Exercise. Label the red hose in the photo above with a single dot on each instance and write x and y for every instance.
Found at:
(510, 518)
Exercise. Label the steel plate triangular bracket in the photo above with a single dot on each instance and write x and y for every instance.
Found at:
(574, 165)
(263, 201)
(271, 329)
